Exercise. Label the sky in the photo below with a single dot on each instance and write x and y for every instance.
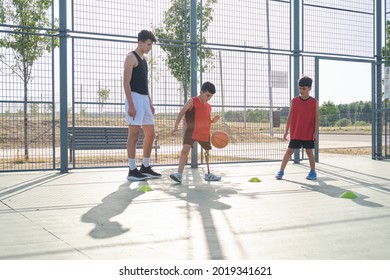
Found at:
(344, 82)
(340, 82)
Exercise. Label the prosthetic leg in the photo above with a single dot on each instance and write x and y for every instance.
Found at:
(209, 176)
(206, 156)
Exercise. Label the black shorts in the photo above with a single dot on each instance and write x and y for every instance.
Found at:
(189, 141)
(297, 144)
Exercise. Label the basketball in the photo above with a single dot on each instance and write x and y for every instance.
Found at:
(219, 139)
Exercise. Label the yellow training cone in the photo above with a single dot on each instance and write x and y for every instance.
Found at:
(349, 195)
(254, 180)
(145, 188)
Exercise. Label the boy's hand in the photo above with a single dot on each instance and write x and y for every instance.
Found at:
(215, 119)
(285, 136)
(131, 111)
(174, 130)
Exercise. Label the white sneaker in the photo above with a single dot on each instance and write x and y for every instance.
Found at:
(211, 177)
(176, 177)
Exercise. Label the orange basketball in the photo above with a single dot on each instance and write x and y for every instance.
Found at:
(219, 139)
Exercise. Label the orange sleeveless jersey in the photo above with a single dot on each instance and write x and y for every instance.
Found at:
(198, 119)
(302, 118)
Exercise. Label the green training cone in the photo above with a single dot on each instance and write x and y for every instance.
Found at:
(349, 194)
(254, 180)
(145, 188)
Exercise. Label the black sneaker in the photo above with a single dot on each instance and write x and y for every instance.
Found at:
(135, 175)
(148, 171)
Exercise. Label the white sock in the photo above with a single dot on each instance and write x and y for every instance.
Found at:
(146, 161)
(132, 163)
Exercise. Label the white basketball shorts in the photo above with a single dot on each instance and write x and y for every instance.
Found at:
(143, 112)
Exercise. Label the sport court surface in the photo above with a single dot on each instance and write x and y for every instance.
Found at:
(98, 214)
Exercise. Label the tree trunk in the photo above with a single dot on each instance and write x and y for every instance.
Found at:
(25, 118)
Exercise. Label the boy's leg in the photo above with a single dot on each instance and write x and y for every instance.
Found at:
(183, 157)
(312, 174)
(150, 135)
(134, 126)
(310, 156)
(182, 162)
(132, 138)
(285, 160)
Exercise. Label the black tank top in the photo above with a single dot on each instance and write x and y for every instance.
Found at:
(139, 79)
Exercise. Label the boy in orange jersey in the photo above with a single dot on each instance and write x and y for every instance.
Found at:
(197, 111)
(303, 124)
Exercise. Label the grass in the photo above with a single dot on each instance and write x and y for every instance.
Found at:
(347, 151)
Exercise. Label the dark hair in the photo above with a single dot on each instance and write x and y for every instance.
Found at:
(207, 86)
(305, 81)
(145, 35)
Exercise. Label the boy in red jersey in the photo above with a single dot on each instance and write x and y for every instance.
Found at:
(198, 123)
(303, 124)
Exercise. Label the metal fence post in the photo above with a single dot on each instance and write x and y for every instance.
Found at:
(193, 73)
(378, 107)
(296, 52)
(63, 88)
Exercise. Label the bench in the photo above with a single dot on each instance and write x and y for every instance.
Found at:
(102, 138)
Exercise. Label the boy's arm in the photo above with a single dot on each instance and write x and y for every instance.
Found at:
(288, 123)
(151, 105)
(317, 124)
(186, 107)
(127, 73)
(215, 119)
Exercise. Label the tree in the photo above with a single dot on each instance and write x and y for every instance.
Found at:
(34, 109)
(329, 113)
(176, 26)
(28, 40)
(386, 48)
(386, 55)
(366, 112)
(103, 94)
(356, 111)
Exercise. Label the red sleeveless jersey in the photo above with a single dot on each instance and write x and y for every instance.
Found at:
(198, 119)
(302, 118)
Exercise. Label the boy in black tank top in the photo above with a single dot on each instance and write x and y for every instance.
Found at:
(139, 108)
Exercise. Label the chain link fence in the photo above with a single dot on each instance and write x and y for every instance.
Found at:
(252, 57)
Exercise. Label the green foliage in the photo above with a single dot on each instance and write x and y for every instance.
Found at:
(176, 27)
(257, 116)
(329, 114)
(386, 48)
(34, 109)
(356, 111)
(29, 39)
(361, 123)
(253, 116)
(343, 122)
(83, 112)
(48, 108)
(234, 116)
(103, 94)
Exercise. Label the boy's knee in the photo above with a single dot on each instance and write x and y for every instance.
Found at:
(309, 151)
